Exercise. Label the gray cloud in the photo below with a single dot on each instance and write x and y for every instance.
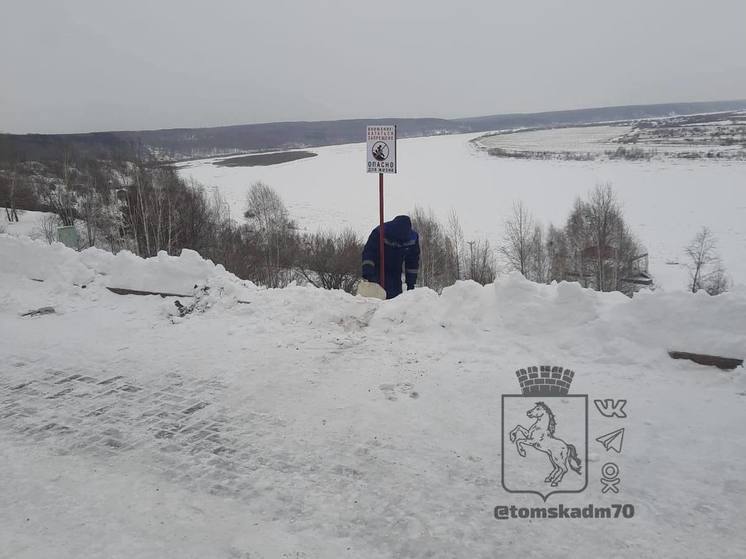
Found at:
(83, 65)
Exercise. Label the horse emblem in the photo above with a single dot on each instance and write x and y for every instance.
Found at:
(523, 469)
(541, 437)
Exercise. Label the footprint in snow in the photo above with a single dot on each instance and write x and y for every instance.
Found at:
(390, 390)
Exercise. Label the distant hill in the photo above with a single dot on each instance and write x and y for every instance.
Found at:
(184, 143)
(280, 135)
(602, 114)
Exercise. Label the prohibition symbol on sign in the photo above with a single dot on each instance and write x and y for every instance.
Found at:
(380, 151)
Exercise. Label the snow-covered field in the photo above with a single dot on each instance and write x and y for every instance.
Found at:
(666, 202)
(579, 139)
(720, 135)
(303, 423)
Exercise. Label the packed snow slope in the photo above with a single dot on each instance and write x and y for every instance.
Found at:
(665, 202)
(308, 423)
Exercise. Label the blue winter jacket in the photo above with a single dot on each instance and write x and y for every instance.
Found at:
(401, 250)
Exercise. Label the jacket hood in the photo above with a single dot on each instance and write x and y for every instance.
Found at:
(399, 228)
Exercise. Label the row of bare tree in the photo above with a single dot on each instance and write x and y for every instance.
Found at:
(148, 208)
(72, 190)
(446, 257)
(595, 246)
(266, 247)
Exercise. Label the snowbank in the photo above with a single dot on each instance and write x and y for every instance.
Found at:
(680, 321)
(163, 273)
(564, 313)
(38, 260)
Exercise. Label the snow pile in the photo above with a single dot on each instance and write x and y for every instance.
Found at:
(163, 273)
(38, 260)
(511, 307)
(514, 306)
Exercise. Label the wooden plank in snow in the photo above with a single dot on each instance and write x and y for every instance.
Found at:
(726, 363)
(125, 291)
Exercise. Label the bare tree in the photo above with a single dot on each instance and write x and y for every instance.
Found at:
(140, 208)
(603, 219)
(705, 267)
(557, 254)
(11, 195)
(539, 264)
(268, 218)
(47, 228)
(16, 192)
(428, 228)
(92, 210)
(60, 197)
(481, 262)
(111, 223)
(454, 242)
(331, 261)
(437, 259)
(601, 251)
(577, 234)
(518, 245)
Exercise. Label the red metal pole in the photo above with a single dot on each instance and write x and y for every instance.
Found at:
(380, 231)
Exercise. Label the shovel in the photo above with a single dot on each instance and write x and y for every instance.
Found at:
(370, 289)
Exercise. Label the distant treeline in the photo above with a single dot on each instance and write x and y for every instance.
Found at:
(184, 143)
(21, 148)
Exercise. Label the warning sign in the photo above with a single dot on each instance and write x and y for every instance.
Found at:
(382, 149)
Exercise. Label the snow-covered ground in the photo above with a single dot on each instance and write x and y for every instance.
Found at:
(576, 139)
(303, 423)
(690, 136)
(665, 202)
(29, 224)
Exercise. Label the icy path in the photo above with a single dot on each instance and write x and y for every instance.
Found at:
(312, 424)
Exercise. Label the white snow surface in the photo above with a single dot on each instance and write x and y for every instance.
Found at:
(28, 224)
(161, 274)
(308, 423)
(583, 139)
(665, 202)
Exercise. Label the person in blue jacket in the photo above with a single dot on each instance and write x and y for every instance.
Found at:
(401, 249)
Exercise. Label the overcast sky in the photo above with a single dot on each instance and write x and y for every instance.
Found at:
(83, 65)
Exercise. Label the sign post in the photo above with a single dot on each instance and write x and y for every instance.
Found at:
(381, 148)
(381, 280)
